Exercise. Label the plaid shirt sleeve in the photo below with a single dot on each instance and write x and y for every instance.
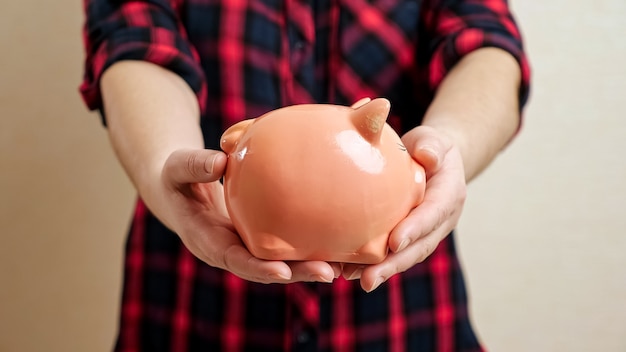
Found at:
(136, 30)
(458, 27)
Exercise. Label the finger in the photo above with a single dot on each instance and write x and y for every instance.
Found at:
(194, 166)
(427, 147)
(444, 198)
(421, 221)
(223, 248)
(373, 276)
(239, 261)
(336, 269)
(312, 271)
(258, 270)
(352, 271)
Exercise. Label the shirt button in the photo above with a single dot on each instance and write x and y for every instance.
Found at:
(305, 340)
(299, 45)
(303, 337)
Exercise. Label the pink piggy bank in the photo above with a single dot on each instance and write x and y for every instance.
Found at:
(319, 182)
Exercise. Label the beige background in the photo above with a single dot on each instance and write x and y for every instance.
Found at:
(542, 236)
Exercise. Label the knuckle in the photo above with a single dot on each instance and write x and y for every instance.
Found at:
(425, 251)
(397, 269)
(223, 261)
(255, 275)
(192, 161)
(441, 216)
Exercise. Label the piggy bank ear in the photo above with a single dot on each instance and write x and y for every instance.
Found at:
(231, 136)
(369, 118)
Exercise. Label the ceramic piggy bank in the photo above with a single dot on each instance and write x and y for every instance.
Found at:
(319, 182)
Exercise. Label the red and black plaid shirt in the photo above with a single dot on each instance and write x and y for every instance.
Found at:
(243, 58)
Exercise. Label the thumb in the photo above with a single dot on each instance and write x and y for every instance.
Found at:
(194, 166)
(427, 146)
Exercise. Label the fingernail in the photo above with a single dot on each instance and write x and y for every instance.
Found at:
(403, 244)
(278, 276)
(336, 273)
(430, 150)
(377, 283)
(320, 278)
(355, 274)
(209, 170)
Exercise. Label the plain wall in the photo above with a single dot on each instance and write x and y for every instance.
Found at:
(541, 237)
(543, 233)
(64, 201)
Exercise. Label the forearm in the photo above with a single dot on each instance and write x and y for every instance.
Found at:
(150, 113)
(477, 106)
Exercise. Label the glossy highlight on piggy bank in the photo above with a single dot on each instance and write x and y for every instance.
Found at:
(319, 182)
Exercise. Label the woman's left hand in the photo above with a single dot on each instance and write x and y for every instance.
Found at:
(417, 236)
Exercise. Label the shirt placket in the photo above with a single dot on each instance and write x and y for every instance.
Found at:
(304, 319)
(299, 42)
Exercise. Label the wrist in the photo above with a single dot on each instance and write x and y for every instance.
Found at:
(476, 107)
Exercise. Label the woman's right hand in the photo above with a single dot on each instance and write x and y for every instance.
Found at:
(192, 204)
(153, 117)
